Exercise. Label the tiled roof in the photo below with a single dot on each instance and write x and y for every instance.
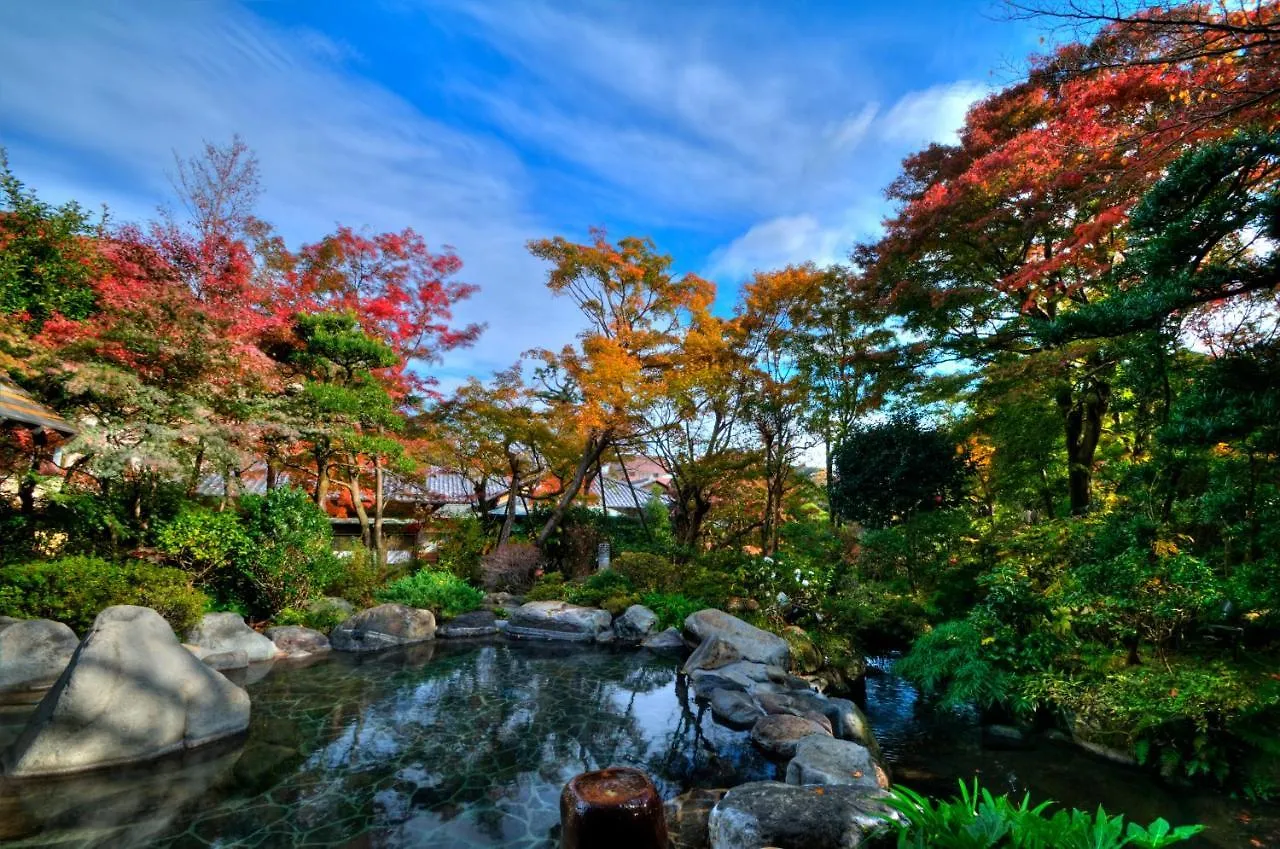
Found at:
(18, 406)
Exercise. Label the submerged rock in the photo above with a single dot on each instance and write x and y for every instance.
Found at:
(769, 813)
(557, 620)
(668, 640)
(750, 642)
(227, 632)
(735, 708)
(383, 627)
(688, 817)
(635, 624)
(297, 641)
(477, 623)
(130, 693)
(825, 760)
(778, 734)
(33, 653)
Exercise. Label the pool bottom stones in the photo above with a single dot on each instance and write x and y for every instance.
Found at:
(439, 745)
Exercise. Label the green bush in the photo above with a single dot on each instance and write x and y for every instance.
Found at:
(978, 820)
(550, 587)
(358, 577)
(647, 572)
(322, 618)
(290, 556)
(73, 590)
(672, 608)
(461, 546)
(210, 547)
(443, 593)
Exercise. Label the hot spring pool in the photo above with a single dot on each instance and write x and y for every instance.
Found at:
(441, 745)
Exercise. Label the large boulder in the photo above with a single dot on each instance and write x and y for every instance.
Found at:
(777, 735)
(383, 627)
(222, 661)
(755, 678)
(850, 723)
(825, 760)
(226, 632)
(477, 623)
(33, 653)
(635, 624)
(557, 620)
(735, 708)
(130, 693)
(769, 813)
(298, 642)
(750, 642)
(667, 641)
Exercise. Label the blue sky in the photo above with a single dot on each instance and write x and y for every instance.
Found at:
(738, 135)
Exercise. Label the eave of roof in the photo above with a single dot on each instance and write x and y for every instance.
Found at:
(18, 406)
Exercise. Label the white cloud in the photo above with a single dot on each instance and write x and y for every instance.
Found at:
(932, 115)
(790, 240)
(121, 86)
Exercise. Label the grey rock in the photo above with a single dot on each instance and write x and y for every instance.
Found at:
(33, 653)
(742, 675)
(850, 723)
(606, 636)
(557, 620)
(636, 623)
(769, 813)
(130, 693)
(227, 632)
(6, 621)
(688, 816)
(1004, 737)
(383, 627)
(778, 734)
(297, 641)
(668, 640)
(711, 653)
(825, 760)
(223, 660)
(751, 643)
(477, 623)
(734, 708)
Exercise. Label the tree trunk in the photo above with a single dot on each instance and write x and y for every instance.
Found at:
(596, 446)
(379, 502)
(513, 490)
(1082, 418)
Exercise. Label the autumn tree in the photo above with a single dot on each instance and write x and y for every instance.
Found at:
(637, 313)
(493, 434)
(1023, 220)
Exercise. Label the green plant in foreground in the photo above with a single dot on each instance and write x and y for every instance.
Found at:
(442, 592)
(672, 608)
(978, 820)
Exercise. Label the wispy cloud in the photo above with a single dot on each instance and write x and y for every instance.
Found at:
(121, 86)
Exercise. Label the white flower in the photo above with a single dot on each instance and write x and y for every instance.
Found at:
(804, 583)
(767, 559)
(782, 598)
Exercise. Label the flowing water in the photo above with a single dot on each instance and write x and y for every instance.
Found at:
(455, 745)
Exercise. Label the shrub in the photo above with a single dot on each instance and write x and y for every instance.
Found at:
(290, 556)
(978, 820)
(210, 547)
(73, 590)
(672, 608)
(358, 577)
(461, 546)
(319, 618)
(550, 587)
(510, 568)
(647, 571)
(600, 586)
(441, 592)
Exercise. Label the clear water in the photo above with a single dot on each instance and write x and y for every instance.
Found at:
(452, 745)
(436, 745)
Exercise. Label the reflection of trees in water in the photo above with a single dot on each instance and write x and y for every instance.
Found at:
(441, 745)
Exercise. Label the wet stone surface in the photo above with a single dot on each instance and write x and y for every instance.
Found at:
(429, 745)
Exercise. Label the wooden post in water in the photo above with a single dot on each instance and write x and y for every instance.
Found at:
(614, 808)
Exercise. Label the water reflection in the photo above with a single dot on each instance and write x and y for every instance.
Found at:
(433, 745)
